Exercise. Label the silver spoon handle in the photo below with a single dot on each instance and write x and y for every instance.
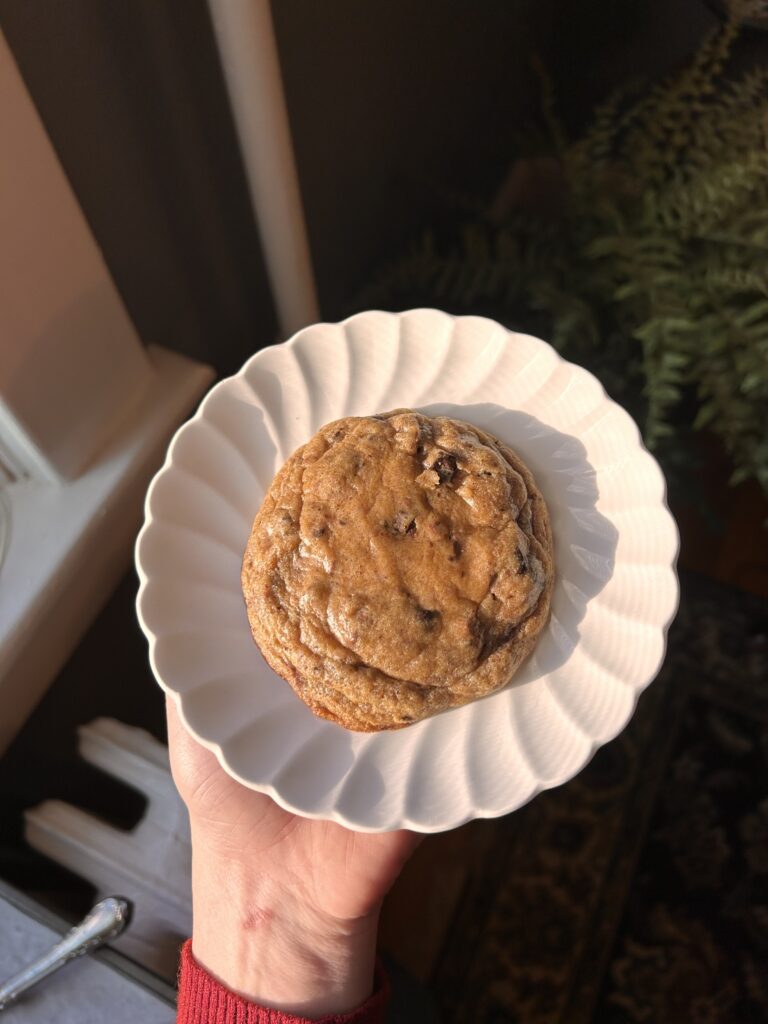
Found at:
(104, 922)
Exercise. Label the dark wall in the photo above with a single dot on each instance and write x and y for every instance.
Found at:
(391, 103)
(593, 46)
(397, 105)
(132, 97)
(394, 106)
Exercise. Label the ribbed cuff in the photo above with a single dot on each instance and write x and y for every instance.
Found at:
(203, 1000)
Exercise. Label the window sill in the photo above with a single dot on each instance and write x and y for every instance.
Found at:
(70, 542)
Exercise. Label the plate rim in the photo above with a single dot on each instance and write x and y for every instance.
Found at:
(405, 822)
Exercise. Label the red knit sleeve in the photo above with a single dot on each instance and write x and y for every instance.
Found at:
(203, 1000)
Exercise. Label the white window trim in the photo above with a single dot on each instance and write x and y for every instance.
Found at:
(86, 412)
(248, 50)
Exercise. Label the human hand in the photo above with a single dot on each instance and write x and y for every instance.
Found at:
(285, 909)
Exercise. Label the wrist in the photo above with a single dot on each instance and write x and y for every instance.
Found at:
(267, 940)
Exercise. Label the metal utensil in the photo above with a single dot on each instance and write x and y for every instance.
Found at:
(104, 922)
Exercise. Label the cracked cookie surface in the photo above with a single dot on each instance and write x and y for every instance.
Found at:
(400, 565)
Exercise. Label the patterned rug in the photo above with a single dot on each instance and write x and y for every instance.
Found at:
(639, 891)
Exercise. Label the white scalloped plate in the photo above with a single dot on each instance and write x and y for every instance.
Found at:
(615, 593)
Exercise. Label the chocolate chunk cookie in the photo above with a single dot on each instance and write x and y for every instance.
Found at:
(400, 565)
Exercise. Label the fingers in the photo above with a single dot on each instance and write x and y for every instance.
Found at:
(173, 717)
(178, 737)
(189, 759)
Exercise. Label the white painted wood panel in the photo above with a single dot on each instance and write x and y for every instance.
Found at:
(71, 364)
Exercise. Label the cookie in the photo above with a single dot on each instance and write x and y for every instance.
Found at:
(400, 565)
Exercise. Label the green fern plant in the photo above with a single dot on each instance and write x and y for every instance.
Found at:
(654, 269)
